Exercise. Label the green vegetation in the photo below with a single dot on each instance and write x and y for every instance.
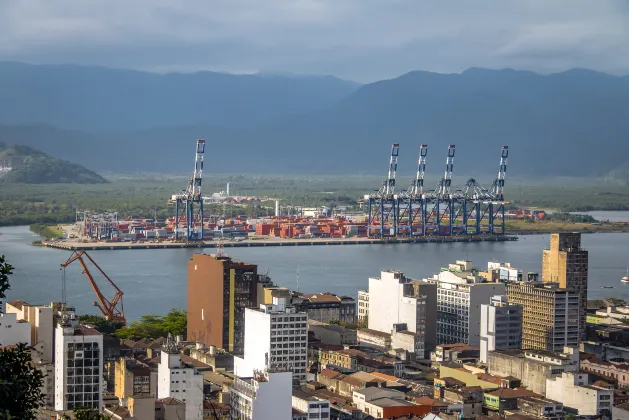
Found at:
(155, 326)
(20, 382)
(100, 323)
(567, 217)
(147, 195)
(31, 166)
(46, 230)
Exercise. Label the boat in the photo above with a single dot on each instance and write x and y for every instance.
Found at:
(607, 287)
(626, 278)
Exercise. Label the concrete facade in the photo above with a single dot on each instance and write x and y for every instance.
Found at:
(268, 395)
(373, 338)
(533, 367)
(327, 307)
(276, 338)
(14, 331)
(40, 318)
(460, 293)
(572, 389)
(391, 302)
(363, 307)
(333, 334)
(78, 365)
(566, 263)
(412, 342)
(179, 382)
(429, 290)
(219, 290)
(500, 326)
(550, 314)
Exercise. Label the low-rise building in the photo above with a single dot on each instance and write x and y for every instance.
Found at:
(356, 360)
(470, 377)
(327, 307)
(533, 367)
(541, 407)
(363, 308)
(133, 378)
(312, 407)
(616, 372)
(412, 343)
(333, 334)
(504, 398)
(385, 403)
(373, 338)
(218, 359)
(572, 389)
(14, 331)
(170, 409)
(454, 353)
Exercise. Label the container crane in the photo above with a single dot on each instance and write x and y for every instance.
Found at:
(411, 202)
(191, 200)
(383, 209)
(112, 310)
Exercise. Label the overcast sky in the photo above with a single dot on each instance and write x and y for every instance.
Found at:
(362, 40)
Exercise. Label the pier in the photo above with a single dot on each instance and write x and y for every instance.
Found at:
(99, 246)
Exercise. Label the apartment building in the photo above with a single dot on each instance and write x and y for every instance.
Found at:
(461, 291)
(78, 364)
(392, 302)
(265, 395)
(500, 327)
(573, 390)
(178, 381)
(276, 338)
(566, 263)
(363, 307)
(326, 307)
(219, 290)
(550, 314)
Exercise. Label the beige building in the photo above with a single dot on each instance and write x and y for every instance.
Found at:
(550, 314)
(363, 308)
(170, 409)
(572, 389)
(134, 379)
(566, 263)
(372, 338)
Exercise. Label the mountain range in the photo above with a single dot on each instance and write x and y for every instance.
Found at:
(573, 123)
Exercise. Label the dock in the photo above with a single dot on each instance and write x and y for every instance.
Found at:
(110, 246)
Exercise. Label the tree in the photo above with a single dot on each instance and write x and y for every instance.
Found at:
(20, 382)
(84, 413)
(155, 326)
(101, 324)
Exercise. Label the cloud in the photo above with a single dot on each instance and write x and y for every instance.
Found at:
(356, 39)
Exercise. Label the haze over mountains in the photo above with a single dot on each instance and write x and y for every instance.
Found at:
(574, 123)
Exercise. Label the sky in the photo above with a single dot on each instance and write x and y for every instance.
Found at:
(361, 40)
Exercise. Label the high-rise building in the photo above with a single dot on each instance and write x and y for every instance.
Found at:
(461, 290)
(566, 263)
(276, 339)
(78, 364)
(265, 395)
(392, 302)
(550, 314)
(175, 380)
(500, 326)
(422, 288)
(219, 290)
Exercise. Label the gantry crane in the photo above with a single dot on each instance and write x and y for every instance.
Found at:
(112, 310)
(186, 200)
(383, 203)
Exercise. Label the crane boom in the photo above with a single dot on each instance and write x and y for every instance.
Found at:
(109, 308)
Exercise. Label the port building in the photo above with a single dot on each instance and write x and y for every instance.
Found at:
(219, 290)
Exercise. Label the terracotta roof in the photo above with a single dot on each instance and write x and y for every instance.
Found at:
(602, 384)
(374, 332)
(329, 373)
(352, 381)
(18, 304)
(424, 401)
(489, 378)
(322, 297)
(196, 363)
(384, 376)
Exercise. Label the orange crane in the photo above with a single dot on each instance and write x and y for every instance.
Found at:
(112, 309)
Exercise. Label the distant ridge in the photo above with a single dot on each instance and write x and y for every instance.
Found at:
(573, 123)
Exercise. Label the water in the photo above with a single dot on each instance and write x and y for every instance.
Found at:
(154, 281)
(612, 216)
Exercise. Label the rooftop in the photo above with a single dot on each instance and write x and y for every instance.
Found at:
(389, 402)
(374, 332)
(169, 401)
(322, 297)
(83, 330)
(512, 393)
(370, 391)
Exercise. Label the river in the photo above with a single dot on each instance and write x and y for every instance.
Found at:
(154, 281)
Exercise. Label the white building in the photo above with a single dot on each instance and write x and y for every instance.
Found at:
(572, 389)
(14, 331)
(363, 307)
(412, 342)
(391, 303)
(500, 326)
(41, 322)
(505, 271)
(309, 406)
(78, 364)
(177, 381)
(276, 338)
(267, 395)
(460, 293)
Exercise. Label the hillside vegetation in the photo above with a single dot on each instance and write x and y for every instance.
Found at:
(30, 166)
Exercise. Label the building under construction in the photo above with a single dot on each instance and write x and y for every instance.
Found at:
(443, 211)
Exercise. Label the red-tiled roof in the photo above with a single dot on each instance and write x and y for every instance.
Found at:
(384, 376)
(328, 373)
(18, 304)
(83, 330)
(512, 393)
(322, 297)
(170, 401)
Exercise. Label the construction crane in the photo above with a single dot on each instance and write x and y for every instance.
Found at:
(113, 309)
(191, 200)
